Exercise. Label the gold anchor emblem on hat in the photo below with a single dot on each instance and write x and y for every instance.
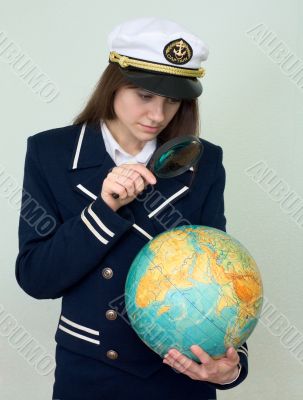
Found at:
(178, 52)
(180, 46)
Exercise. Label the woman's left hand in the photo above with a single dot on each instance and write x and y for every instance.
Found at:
(218, 371)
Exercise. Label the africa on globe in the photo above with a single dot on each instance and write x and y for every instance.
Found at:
(193, 285)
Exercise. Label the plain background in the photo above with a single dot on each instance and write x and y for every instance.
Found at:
(250, 107)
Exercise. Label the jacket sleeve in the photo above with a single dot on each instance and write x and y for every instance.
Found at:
(55, 255)
(212, 215)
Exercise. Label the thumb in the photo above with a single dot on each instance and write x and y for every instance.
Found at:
(232, 354)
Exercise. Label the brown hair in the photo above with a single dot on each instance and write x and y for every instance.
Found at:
(100, 106)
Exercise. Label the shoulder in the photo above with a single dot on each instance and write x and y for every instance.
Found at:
(210, 146)
(212, 153)
(56, 137)
(54, 146)
(53, 149)
(210, 165)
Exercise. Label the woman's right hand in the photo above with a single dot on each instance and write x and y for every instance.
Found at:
(127, 180)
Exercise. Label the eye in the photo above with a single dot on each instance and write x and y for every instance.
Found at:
(144, 96)
(173, 101)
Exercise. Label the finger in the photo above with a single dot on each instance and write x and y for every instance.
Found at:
(181, 363)
(123, 171)
(204, 357)
(129, 185)
(115, 187)
(136, 177)
(139, 184)
(179, 369)
(124, 181)
(187, 366)
(145, 172)
(138, 181)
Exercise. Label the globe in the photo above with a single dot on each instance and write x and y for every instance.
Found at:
(193, 285)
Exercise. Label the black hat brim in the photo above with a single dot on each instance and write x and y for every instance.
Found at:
(176, 87)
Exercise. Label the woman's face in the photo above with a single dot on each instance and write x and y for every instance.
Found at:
(141, 115)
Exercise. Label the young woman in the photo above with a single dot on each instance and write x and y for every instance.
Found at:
(77, 241)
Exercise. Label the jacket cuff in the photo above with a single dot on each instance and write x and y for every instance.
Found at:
(103, 222)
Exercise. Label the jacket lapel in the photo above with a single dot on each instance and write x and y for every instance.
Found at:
(90, 165)
(90, 162)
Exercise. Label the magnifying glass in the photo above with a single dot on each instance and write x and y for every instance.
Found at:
(174, 157)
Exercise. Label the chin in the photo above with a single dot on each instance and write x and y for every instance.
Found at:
(143, 134)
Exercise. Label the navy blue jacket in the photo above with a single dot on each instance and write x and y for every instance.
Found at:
(72, 245)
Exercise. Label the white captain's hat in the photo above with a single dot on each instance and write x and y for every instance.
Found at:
(160, 56)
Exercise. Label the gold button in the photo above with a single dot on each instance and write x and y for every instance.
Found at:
(112, 354)
(107, 273)
(111, 314)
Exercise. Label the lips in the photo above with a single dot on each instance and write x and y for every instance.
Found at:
(150, 129)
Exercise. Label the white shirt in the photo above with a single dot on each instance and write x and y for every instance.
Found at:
(119, 155)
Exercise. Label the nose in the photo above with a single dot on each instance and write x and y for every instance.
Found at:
(156, 112)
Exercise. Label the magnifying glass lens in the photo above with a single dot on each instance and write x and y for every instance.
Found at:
(175, 157)
(179, 158)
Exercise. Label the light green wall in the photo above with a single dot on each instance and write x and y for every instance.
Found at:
(250, 106)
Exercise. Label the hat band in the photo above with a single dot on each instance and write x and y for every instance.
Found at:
(125, 62)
